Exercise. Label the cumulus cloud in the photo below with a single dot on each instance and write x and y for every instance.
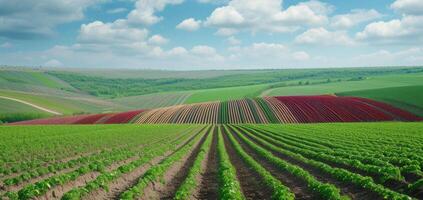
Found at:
(407, 28)
(145, 11)
(411, 7)
(189, 24)
(226, 31)
(321, 36)
(28, 19)
(158, 40)
(410, 57)
(353, 18)
(108, 33)
(267, 15)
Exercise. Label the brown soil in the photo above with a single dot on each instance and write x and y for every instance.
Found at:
(354, 192)
(208, 188)
(251, 183)
(174, 176)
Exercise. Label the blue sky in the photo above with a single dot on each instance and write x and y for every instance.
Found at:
(207, 34)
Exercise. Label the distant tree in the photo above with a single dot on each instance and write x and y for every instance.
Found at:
(307, 83)
(328, 81)
(300, 83)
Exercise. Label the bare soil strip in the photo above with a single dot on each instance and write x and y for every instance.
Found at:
(354, 192)
(175, 175)
(208, 188)
(250, 181)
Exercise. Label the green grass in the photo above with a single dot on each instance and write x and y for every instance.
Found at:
(407, 97)
(63, 105)
(346, 86)
(10, 78)
(155, 100)
(9, 106)
(224, 94)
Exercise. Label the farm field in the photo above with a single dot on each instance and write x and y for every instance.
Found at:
(267, 110)
(77, 91)
(376, 82)
(304, 161)
(406, 97)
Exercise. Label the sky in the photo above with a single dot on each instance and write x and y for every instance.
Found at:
(211, 34)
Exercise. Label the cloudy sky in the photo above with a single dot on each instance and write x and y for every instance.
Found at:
(211, 34)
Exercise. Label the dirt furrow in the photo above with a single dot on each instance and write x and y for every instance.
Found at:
(249, 180)
(208, 188)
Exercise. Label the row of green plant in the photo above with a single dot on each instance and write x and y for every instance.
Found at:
(156, 172)
(44, 145)
(343, 175)
(190, 183)
(383, 153)
(279, 191)
(229, 187)
(105, 178)
(324, 190)
(384, 170)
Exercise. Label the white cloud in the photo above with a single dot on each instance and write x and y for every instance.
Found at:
(189, 24)
(6, 45)
(300, 56)
(226, 31)
(411, 7)
(29, 19)
(117, 10)
(406, 57)
(145, 11)
(321, 36)
(353, 18)
(408, 28)
(267, 15)
(158, 40)
(53, 63)
(233, 41)
(109, 33)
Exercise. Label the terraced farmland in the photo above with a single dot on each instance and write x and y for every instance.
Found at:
(303, 161)
(288, 109)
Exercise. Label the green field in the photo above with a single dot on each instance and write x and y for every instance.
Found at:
(320, 161)
(375, 82)
(71, 91)
(406, 97)
(155, 100)
(224, 94)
